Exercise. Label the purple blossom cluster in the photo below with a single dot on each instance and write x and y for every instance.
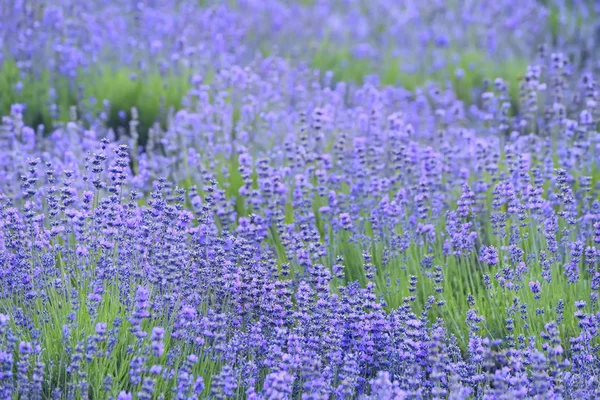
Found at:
(290, 236)
(70, 36)
(307, 240)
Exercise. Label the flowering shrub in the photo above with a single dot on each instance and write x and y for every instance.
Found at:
(284, 234)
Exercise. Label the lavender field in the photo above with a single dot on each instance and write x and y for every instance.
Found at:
(299, 199)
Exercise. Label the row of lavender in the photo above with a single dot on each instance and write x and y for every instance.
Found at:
(291, 237)
(66, 36)
(60, 53)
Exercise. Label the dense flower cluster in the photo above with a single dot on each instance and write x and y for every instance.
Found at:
(66, 35)
(287, 235)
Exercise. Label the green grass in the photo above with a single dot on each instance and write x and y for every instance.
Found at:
(476, 65)
(151, 93)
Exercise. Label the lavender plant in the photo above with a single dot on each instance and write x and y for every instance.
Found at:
(107, 57)
(287, 234)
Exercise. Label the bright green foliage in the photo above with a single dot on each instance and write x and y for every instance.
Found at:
(151, 93)
(475, 65)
